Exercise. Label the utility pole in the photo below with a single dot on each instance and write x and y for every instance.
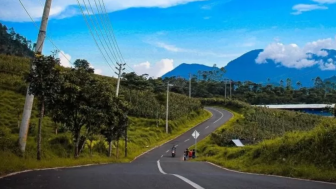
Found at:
(120, 68)
(225, 88)
(189, 85)
(167, 109)
(30, 98)
(230, 88)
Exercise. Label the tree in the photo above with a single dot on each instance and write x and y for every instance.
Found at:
(44, 80)
(299, 84)
(281, 83)
(288, 83)
(73, 101)
(116, 121)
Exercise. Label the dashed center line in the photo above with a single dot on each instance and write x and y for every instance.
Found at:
(167, 151)
(220, 117)
(187, 140)
(207, 127)
(162, 156)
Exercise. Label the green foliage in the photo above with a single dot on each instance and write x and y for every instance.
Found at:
(12, 70)
(12, 43)
(57, 149)
(44, 79)
(308, 153)
(260, 123)
(205, 85)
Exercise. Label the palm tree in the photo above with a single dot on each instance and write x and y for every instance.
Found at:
(299, 84)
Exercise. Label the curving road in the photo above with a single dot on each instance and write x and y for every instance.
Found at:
(157, 169)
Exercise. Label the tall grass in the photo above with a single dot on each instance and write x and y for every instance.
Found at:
(308, 154)
(57, 150)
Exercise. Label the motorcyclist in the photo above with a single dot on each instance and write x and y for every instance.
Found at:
(173, 151)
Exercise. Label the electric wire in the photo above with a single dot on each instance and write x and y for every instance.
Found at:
(95, 40)
(101, 28)
(48, 38)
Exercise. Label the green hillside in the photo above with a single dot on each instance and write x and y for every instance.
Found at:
(276, 142)
(146, 123)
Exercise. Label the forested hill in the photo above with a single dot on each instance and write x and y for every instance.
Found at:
(12, 43)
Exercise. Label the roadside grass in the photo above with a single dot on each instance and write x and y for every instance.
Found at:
(300, 154)
(57, 150)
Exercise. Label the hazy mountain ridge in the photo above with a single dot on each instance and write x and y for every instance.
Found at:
(245, 68)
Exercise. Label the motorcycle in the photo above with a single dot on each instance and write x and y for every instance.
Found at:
(173, 153)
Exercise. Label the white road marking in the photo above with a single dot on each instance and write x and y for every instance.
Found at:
(167, 151)
(259, 174)
(187, 140)
(180, 177)
(160, 169)
(162, 156)
(188, 181)
(220, 117)
(207, 127)
(176, 146)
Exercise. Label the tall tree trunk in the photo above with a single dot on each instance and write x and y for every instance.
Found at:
(90, 147)
(77, 137)
(40, 131)
(110, 149)
(82, 145)
(56, 128)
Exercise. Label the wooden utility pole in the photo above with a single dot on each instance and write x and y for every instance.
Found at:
(120, 68)
(189, 85)
(30, 98)
(230, 88)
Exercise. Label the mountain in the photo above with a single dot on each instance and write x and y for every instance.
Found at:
(245, 68)
(184, 69)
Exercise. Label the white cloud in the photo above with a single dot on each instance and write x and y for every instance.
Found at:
(327, 66)
(11, 10)
(248, 44)
(325, 1)
(293, 56)
(157, 70)
(98, 71)
(168, 47)
(300, 8)
(206, 7)
(64, 59)
(173, 48)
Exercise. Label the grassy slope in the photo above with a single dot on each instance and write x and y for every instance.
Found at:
(302, 154)
(143, 135)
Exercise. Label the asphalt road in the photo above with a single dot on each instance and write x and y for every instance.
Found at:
(157, 169)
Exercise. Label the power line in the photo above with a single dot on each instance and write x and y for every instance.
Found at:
(108, 20)
(101, 27)
(48, 38)
(111, 30)
(104, 23)
(94, 38)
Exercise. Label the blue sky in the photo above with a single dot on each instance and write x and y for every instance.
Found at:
(156, 36)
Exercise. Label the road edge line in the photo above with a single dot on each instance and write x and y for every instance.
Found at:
(51, 168)
(260, 174)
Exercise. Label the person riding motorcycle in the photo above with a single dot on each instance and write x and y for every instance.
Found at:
(173, 151)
